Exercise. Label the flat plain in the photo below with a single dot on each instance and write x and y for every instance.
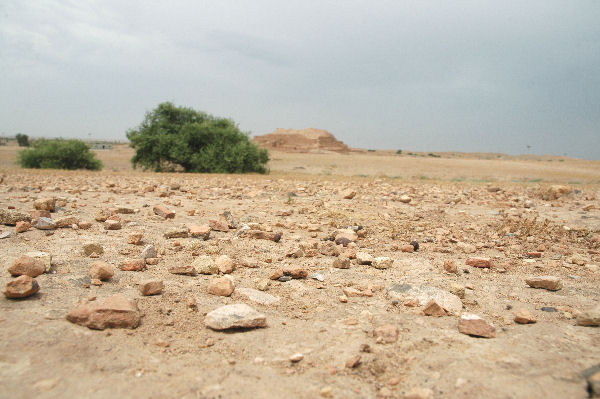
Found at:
(355, 332)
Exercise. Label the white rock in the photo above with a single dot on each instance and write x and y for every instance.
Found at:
(238, 315)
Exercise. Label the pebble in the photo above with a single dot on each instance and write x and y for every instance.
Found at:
(6, 234)
(407, 248)
(177, 232)
(101, 270)
(471, 324)
(235, 316)
(432, 308)
(116, 311)
(21, 287)
(257, 296)
(590, 317)
(93, 248)
(382, 262)
(387, 334)
(353, 362)
(550, 283)
(296, 357)
(221, 286)
(317, 276)
(45, 204)
(450, 266)
(149, 252)
(151, 287)
(135, 265)
(205, 265)
(67, 222)
(364, 258)
(163, 212)
(423, 294)
(186, 270)
(404, 199)
(225, 264)
(202, 231)
(348, 194)
(135, 238)
(26, 265)
(22, 227)
(43, 257)
(479, 262)
(341, 262)
(549, 309)
(522, 316)
(415, 245)
(43, 223)
(219, 225)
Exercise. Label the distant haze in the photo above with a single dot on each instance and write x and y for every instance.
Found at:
(485, 76)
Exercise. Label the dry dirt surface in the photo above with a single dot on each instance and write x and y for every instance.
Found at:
(295, 248)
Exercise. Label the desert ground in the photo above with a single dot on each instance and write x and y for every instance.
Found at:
(320, 249)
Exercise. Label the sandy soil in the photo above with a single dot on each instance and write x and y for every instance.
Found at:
(463, 208)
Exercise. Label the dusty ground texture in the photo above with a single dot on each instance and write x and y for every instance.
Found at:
(173, 354)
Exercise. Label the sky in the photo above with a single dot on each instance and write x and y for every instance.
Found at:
(507, 76)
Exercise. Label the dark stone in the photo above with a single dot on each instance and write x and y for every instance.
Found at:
(592, 376)
(283, 279)
(342, 240)
(415, 245)
(277, 237)
(549, 309)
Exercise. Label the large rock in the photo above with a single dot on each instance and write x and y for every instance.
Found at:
(238, 315)
(116, 311)
(550, 283)
(21, 287)
(10, 218)
(45, 204)
(26, 265)
(151, 287)
(44, 224)
(423, 294)
(101, 271)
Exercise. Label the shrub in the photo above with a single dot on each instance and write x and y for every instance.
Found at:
(59, 154)
(399, 152)
(22, 140)
(177, 138)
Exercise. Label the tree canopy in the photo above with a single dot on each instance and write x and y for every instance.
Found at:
(172, 138)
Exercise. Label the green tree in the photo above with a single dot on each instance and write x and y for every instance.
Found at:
(174, 138)
(22, 140)
(59, 154)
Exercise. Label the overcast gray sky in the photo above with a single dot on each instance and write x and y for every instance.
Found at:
(491, 76)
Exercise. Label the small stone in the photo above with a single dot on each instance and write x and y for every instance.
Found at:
(84, 225)
(550, 283)
(458, 290)
(101, 271)
(43, 223)
(419, 393)
(199, 231)
(91, 248)
(341, 262)
(186, 270)
(295, 272)
(112, 225)
(67, 222)
(219, 225)
(592, 376)
(102, 215)
(522, 316)
(343, 299)
(149, 252)
(124, 210)
(45, 204)
(225, 264)
(382, 262)
(135, 265)
(152, 261)
(479, 262)
(163, 212)
(21, 287)
(6, 234)
(407, 248)
(205, 265)
(589, 318)
(415, 245)
(235, 316)
(450, 266)
(355, 292)
(329, 248)
(22, 227)
(43, 257)
(257, 296)
(353, 362)
(404, 199)
(177, 232)
(26, 265)
(151, 287)
(471, 324)
(364, 258)
(135, 238)
(116, 311)
(297, 357)
(348, 194)
(387, 334)
(326, 392)
(432, 308)
(221, 286)
(348, 235)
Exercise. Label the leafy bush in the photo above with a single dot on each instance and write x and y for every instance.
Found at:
(399, 152)
(177, 138)
(59, 154)
(22, 140)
